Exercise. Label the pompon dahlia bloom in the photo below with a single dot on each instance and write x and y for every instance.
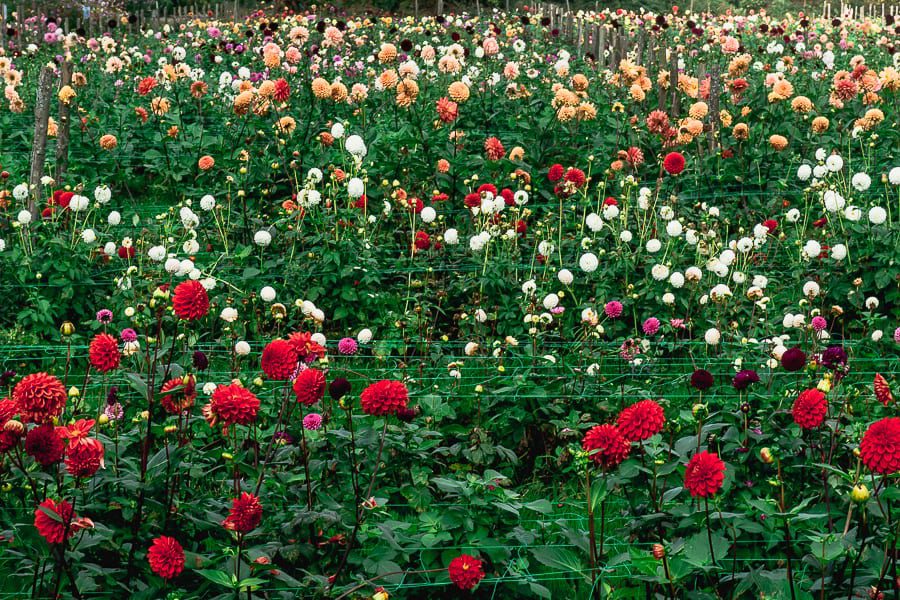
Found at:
(56, 521)
(465, 571)
(793, 359)
(245, 515)
(39, 398)
(704, 474)
(234, 405)
(701, 380)
(347, 346)
(178, 394)
(555, 173)
(613, 309)
(674, 163)
(279, 360)
(309, 387)
(810, 408)
(166, 557)
(312, 421)
(743, 379)
(882, 390)
(641, 420)
(606, 445)
(650, 326)
(384, 397)
(190, 300)
(880, 446)
(45, 444)
(104, 352)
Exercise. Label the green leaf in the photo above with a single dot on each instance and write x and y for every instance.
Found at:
(219, 577)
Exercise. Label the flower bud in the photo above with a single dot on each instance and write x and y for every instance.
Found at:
(765, 455)
(67, 328)
(859, 493)
(659, 551)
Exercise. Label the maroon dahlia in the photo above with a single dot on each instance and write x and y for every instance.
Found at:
(45, 445)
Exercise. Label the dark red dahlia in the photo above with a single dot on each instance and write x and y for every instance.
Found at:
(384, 397)
(104, 352)
(674, 163)
(701, 379)
(810, 408)
(245, 515)
(793, 359)
(641, 420)
(45, 445)
(166, 557)
(339, 388)
(575, 176)
(279, 360)
(704, 474)
(606, 445)
(234, 405)
(880, 446)
(190, 300)
(39, 398)
(423, 240)
(465, 571)
(309, 387)
(743, 379)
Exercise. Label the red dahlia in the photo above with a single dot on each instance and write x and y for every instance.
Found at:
(104, 352)
(575, 177)
(233, 404)
(39, 397)
(282, 90)
(84, 457)
(674, 163)
(178, 394)
(45, 445)
(8, 410)
(704, 474)
(606, 445)
(166, 557)
(555, 173)
(465, 571)
(309, 387)
(810, 409)
(279, 360)
(307, 349)
(880, 446)
(384, 397)
(56, 521)
(190, 301)
(245, 515)
(641, 420)
(882, 391)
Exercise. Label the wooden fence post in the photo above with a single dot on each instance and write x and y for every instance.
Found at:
(39, 144)
(62, 135)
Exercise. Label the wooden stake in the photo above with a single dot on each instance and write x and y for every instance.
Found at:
(62, 135)
(39, 144)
